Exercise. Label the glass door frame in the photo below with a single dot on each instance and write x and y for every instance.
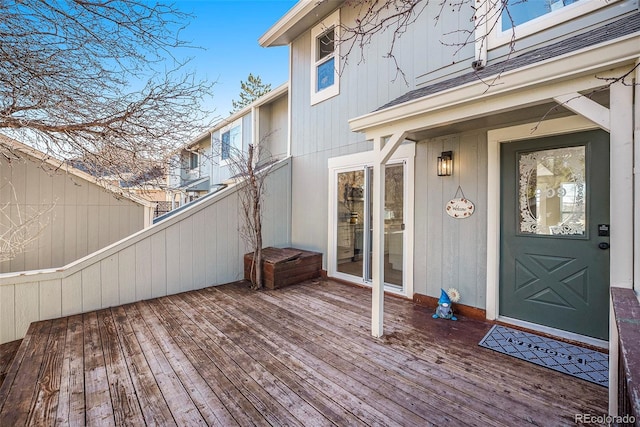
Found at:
(405, 153)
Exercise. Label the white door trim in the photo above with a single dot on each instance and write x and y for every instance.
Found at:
(405, 152)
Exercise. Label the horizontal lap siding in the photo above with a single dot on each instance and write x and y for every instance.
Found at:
(197, 248)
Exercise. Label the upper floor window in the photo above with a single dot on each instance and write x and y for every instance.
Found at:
(193, 160)
(522, 18)
(521, 12)
(325, 59)
(231, 141)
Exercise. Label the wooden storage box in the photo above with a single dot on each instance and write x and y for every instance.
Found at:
(285, 266)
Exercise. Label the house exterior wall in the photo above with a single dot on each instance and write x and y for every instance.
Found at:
(83, 216)
(321, 131)
(450, 252)
(274, 126)
(447, 253)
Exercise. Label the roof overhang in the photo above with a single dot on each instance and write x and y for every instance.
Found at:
(265, 99)
(201, 184)
(304, 15)
(534, 84)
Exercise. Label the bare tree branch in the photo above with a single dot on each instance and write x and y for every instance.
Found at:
(88, 79)
(250, 170)
(19, 229)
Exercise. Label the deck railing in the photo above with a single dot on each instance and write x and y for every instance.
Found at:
(627, 314)
(197, 247)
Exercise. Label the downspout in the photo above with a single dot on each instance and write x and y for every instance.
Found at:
(255, 134)
(289, 99)
(636, 178)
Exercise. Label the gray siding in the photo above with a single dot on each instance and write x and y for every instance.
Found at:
(274, 126)
(84, 216)
(451, 252)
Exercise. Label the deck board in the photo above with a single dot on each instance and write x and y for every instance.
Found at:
(300, 355)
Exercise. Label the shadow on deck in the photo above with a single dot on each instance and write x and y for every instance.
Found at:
(301, 355)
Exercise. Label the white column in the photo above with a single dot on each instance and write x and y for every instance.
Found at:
(636, 177)
(622, 214)
(377, 293)
(383, 147)
(621, 202)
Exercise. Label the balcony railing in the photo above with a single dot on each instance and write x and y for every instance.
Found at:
(627, 313)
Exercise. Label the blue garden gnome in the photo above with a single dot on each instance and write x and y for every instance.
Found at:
(444, 310)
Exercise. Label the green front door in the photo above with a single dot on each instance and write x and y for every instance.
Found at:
(554, 258)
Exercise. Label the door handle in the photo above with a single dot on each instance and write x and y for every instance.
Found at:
(603, 245)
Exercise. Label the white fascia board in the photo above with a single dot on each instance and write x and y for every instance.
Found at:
(276, 93)
(297, 20)
(582, 62)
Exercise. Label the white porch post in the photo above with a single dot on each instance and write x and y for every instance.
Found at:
(377, 297)
(621, 140)
(383, 147)
(636, 165)
(622, 214)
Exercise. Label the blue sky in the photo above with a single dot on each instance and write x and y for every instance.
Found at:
(228, 30)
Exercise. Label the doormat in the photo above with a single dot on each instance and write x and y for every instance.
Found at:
(580, 362)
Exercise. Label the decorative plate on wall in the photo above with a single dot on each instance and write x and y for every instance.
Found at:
(460, 208)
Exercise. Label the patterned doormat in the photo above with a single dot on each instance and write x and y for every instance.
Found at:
(580, 362)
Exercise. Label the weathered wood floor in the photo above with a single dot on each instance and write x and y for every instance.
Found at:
(301, 355)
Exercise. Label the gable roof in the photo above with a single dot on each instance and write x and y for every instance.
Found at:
(625, 26)
(17, 148)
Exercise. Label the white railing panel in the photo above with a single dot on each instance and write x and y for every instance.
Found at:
(7, 313)
(50, 299)
(27, 307)
(127, 274)
(197, 247)
(71, 294)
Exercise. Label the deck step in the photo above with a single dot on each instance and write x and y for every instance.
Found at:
(17, 358)
(7, 354)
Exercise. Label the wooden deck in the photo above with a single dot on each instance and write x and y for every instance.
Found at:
(301, 355)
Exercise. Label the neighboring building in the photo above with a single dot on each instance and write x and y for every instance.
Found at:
(204, 164)
(539, 142)
(79, 214)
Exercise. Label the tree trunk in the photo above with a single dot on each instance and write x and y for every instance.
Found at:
(256, 221)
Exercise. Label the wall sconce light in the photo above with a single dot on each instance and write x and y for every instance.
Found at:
(445, 163)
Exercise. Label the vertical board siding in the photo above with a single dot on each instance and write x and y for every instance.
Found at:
(158, 266)
(110, 281)
(71, 294)
(84, 217)
(198, 251)
(451, 252)
(173, 258)
(50, 299)
(127, 275)
(7, 313)
(197, 247)
(27, 307)
(91, 289)
(143, 269)
(185, 256)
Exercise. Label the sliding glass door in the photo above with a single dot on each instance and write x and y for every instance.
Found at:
(353, 224)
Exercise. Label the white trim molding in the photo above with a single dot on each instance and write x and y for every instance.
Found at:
(330, 23)
(494, 139)
(498, 37)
